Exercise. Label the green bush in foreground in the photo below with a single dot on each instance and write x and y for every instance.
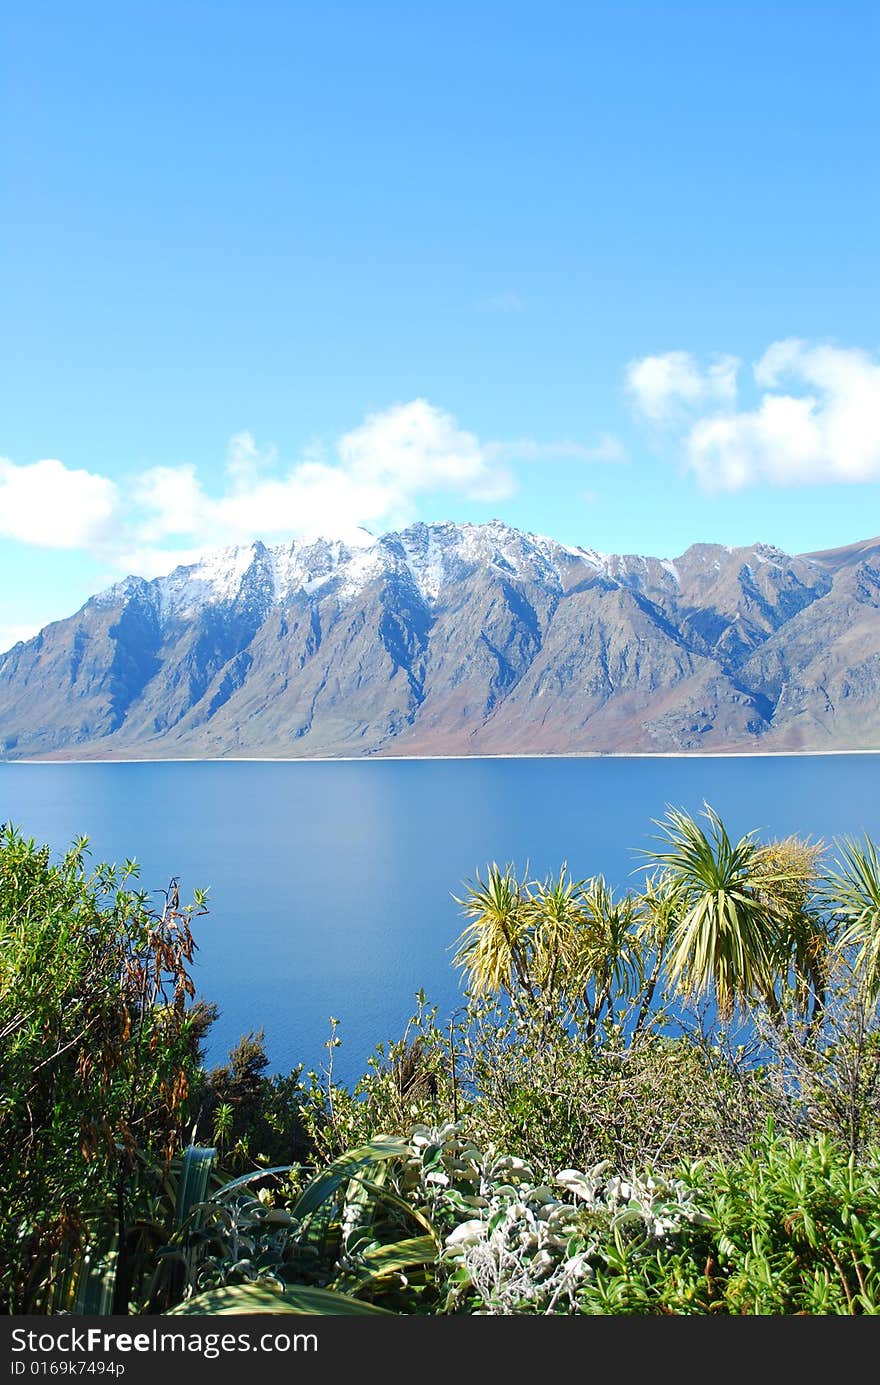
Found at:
(99, 1052)
(791, 1228)
(433, 1224)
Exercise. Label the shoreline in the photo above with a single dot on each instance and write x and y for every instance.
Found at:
(398, 759)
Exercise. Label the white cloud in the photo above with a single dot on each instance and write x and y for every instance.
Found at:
(50, 505)
(607, 449)
(380, 469)
(148, 561)
(416, 447)
(375, 477)
(314, 499)
(661, 387)
(174, 498)
(245, 462)
(818, 421)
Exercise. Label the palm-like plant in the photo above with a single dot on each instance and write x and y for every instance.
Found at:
(557, 919)
(656, 915)
(493, 948)
(562, 943)
(726, 937)
(606, 963)
(853, 894)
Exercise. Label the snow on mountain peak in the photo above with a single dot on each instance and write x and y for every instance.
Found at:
(431, 556)
(216, 577)
(304, 564)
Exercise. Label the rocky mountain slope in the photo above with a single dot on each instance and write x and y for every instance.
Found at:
(459, 639)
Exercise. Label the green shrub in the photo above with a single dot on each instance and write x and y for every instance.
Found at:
(252, 1118)
(791, 1227)
(99, 1058)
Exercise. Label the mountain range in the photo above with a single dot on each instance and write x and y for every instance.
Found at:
(458, 639)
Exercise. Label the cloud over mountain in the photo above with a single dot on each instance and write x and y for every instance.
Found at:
(816, 419)
(374, 476)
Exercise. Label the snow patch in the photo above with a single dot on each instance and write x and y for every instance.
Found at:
(426, 561)
(669, 566)
(305, 566)
(216, 578)
(361, 569)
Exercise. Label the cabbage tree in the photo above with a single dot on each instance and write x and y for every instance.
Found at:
(853, 894)
(726, 937)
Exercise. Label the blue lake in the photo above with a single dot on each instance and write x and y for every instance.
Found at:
(331, 883)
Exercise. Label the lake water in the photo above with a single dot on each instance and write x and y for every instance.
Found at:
(331, 882)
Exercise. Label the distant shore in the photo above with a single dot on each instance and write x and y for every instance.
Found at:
(368, 759)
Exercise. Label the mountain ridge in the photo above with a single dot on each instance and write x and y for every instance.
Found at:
(458, 639)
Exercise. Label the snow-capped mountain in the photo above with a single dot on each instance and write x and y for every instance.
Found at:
(458, 638)
(429, 556)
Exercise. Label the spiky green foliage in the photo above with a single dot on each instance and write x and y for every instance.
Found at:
(263, 1298)
(558, 925)
(726, 938)
(559, 947)
(494, 945)
(655, 915)
(347, 1242)
(853, 892)
(787, 877)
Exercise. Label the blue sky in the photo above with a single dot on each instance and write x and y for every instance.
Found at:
(605, 271)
